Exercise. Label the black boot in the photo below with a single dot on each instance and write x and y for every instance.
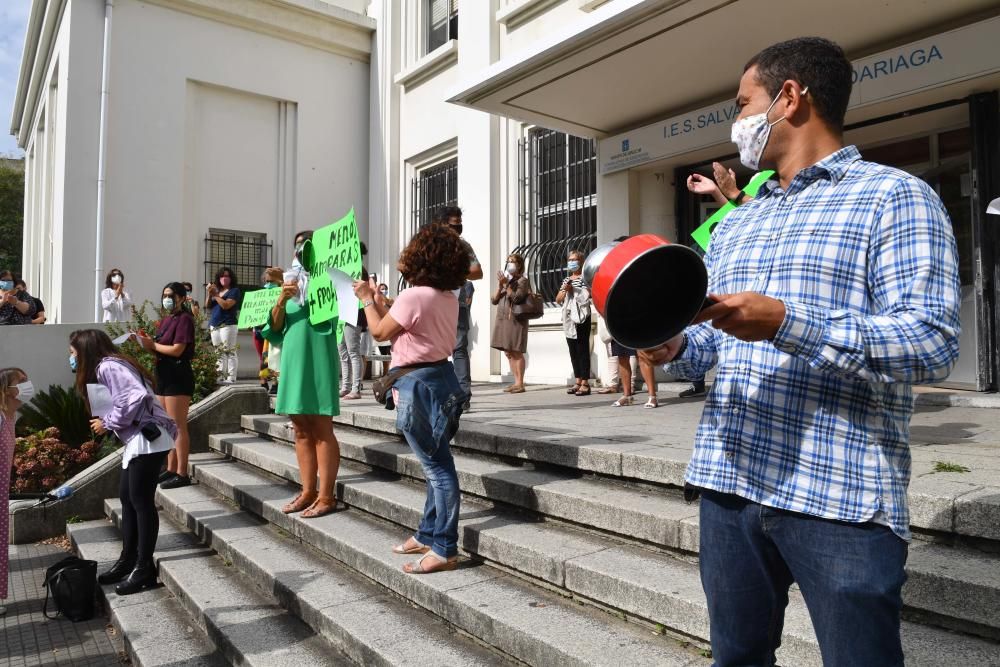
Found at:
(121, 569)
(141, 578)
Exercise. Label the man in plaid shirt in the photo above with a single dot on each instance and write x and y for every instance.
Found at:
(837, 289)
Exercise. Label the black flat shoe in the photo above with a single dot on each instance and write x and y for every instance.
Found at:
(121, 569)
(165, 475)
(142, 578)
(177, 482)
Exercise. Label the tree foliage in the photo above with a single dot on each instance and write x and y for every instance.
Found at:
(11, 217)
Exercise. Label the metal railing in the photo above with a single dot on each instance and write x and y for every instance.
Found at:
(246, 253)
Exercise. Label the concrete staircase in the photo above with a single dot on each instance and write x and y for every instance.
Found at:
(577, 555)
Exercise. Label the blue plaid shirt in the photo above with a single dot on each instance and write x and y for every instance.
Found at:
(817, 420)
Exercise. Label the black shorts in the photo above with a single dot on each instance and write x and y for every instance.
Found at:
(619, 350)
(174, 377)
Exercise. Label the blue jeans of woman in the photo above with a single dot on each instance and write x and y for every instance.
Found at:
(429, 405)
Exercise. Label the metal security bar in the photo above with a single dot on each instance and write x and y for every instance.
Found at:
(557, 205)
(246, 253)
(432, 189)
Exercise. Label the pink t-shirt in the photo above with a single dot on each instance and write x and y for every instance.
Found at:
(429, 318)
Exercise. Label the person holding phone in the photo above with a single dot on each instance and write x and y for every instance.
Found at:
(174, 349)
(139, 421)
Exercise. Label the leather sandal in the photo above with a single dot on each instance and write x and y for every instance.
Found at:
(321, 507)
(572, 390)
(441, 565)
(417, 547)
(517, 389)
(613, 389)
(623, 401)
(300, 502)
(583, 390)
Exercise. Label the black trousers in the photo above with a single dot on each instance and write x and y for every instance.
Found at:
(140, 522)
(579, 350)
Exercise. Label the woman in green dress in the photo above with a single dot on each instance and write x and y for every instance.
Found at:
(309, 389)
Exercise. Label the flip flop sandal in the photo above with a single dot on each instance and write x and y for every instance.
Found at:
(418, 567)
(517, 389)
(403, 549)
(299, 503)
(321, 507)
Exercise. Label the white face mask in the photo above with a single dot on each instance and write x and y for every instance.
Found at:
(750, 134)
(116, 280)
(511, 268)
(25, 391)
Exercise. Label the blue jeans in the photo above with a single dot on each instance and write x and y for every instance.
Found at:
(460, 356)
(850, 574)
(428, 409)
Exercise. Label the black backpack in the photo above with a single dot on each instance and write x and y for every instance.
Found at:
(72, 583)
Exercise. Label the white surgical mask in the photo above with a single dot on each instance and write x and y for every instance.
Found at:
(116, 280)
(25, 391)
(168, 304)
(511, 267)
(750, 134)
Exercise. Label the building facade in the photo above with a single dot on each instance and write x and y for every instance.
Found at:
(554, 124)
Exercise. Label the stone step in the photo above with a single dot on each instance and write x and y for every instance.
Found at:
(654, 586)
(938, 503)
(524, 621)
(155, 628)
(361, 619)
(247, 626)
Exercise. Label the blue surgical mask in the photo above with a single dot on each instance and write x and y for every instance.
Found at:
(269, 285)
(6, 285)
(168, 304)
(72, 362)
(573, 265)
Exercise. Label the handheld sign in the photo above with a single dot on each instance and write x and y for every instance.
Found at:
(257, 307)
(334, 246)
(704, 232)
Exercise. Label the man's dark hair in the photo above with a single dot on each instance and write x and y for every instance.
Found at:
(446, 213)
(813, 62)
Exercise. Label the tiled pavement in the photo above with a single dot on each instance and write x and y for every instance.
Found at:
(28, 639)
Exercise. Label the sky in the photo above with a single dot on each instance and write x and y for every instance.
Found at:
(13, 22)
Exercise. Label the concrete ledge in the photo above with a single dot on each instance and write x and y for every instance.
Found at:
(221, 412)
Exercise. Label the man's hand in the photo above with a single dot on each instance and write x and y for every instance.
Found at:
(726, 181)
(658, 356)
(748, 316)
(10, 298)
(97, 426)
(702, 185)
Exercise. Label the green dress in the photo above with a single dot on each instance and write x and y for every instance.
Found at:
(310, 364)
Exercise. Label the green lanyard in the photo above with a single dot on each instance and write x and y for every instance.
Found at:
(704, 232)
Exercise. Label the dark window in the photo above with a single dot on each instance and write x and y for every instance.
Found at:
(557, 204)
(433, 188)
(442, 22)
(246, 253)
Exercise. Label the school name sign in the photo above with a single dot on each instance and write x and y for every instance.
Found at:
(958, 55)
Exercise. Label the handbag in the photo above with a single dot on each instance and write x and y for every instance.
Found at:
(72, 583)
(531, 308)
(382, 386)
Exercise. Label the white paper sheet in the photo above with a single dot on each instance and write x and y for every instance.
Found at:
(994, 207)
(100, 400)
(124, 337)
(347, 303)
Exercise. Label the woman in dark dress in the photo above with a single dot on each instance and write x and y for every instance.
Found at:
(174, 349)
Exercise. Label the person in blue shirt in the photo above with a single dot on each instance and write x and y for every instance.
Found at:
(222, 305)
(837, 290)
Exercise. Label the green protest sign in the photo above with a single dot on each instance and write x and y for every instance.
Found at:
(334, 246)
(257, 307)
(704, 232)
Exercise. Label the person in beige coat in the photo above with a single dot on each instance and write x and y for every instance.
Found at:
(510, 334)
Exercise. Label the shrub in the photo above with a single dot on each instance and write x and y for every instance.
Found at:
(42, 462)
(204, 362)
(60, 408)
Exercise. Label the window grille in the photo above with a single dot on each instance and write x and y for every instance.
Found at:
(433, 188)
(442, 22)
(246, 253)
(557, 205)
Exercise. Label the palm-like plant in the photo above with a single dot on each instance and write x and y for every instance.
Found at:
(64, 409)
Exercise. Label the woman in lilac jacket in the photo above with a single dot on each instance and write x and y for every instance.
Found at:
(127, 406)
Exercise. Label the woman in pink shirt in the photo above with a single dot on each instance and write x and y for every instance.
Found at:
(429, 398)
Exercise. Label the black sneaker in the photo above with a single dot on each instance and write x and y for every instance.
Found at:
(165, 475)
(696, 390)
(273, 391)
(177, 482)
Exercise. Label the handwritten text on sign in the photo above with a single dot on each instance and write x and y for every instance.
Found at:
(338, 246)
(257, 307)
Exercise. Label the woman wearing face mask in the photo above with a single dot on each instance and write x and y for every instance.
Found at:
(16, 307)
(174, 349)
(222, 304)
(15, 390)
(384, 347)
(509, 333)
(192, 304)
(116, 302)
(309, 389)
(574, 297)
(267, 353)
(148, 432)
